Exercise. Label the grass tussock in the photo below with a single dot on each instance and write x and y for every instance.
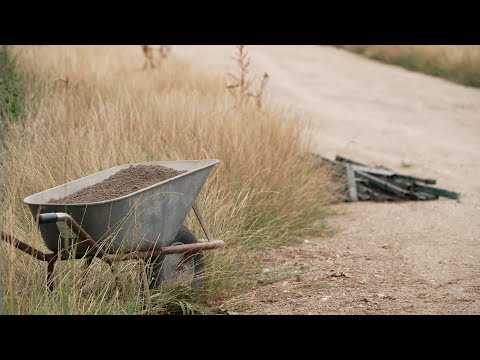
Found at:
(458, 63)
(107, 111)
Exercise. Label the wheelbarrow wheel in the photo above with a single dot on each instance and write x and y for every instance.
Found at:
(187, 270)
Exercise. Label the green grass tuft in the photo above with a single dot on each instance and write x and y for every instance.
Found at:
(460, 64)
(11, 88)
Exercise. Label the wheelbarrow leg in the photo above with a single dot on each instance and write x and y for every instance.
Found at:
(50, 268)
(202, 222)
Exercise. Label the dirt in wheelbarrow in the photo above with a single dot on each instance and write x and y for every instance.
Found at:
(124, 182)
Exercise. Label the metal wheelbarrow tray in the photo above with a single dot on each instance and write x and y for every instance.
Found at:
(141, 225)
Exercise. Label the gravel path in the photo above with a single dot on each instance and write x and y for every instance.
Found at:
(416, 257)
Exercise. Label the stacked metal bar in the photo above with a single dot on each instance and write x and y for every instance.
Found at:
(354, 181)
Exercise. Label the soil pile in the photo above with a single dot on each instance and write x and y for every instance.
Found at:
(124, 182)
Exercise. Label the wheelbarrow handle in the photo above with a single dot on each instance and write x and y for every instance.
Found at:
(56, 217)
(49, 218)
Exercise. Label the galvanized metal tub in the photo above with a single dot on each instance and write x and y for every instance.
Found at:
(147, 218)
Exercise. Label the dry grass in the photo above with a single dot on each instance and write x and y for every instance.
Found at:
(459, 63)
(106, 112)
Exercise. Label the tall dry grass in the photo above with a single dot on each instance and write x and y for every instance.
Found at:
(110, 112)
(459, 63)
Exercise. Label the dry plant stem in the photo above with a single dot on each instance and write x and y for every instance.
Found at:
(148, 53)
(241, 88)
(163, 51)
(66, 81)
(259, 94)
(243, 63)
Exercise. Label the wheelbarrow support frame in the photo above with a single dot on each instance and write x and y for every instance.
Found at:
(96, 251)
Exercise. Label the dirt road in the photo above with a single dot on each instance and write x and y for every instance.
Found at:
(416, 257)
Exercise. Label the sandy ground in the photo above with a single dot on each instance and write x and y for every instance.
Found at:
(415, 257)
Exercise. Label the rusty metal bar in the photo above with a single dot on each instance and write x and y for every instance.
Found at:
(204, 245)
(66, 256)
(168, 250)
(20, 245)
(202, 222)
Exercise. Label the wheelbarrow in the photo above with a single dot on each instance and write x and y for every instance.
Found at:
(146, 225)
